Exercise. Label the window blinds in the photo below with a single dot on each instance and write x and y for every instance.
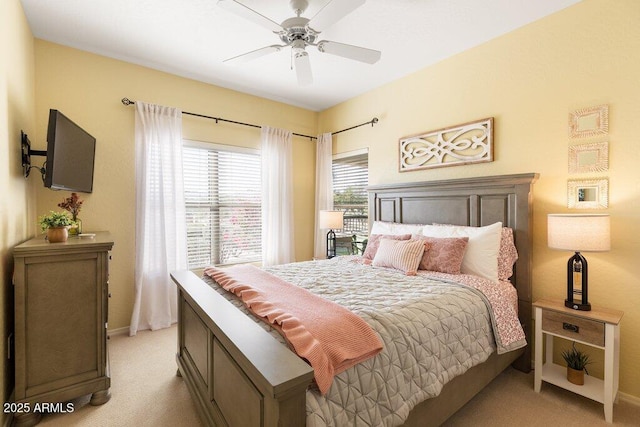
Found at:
(223, 206)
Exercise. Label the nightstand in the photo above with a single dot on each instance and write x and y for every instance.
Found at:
(599, 328)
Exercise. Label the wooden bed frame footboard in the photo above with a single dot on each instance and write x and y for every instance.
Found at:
(239, 375)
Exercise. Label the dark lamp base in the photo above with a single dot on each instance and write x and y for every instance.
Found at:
(577, 305)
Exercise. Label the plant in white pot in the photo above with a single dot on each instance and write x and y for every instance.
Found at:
(56, 225)
(577, 362)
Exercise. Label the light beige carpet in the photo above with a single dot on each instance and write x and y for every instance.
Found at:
(510, 401)
(146, 392)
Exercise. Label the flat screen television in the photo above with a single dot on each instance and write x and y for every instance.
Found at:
(70, 155)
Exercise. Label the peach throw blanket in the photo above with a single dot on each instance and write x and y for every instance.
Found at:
(330, 337)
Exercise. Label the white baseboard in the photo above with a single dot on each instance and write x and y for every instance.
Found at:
(125, 330)
(629, 398)
(118, 331)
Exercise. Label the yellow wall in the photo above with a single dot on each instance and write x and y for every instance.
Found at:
(17, 204)
(88, 88)
(529, 80)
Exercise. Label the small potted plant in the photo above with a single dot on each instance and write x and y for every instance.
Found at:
(576, 364)
(56, 225)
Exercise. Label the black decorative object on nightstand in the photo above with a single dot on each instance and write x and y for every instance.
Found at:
(578, 232)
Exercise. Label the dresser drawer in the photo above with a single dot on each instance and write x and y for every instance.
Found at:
(573, 328)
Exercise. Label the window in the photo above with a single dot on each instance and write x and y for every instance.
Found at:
(223, 204)
(350, 180)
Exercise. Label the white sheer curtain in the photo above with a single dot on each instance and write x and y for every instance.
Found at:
(160, 216)
(324, 190)
(277, 196)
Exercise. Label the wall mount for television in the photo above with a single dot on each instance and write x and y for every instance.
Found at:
(27, 152)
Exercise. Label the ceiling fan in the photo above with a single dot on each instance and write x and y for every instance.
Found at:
(299, 32)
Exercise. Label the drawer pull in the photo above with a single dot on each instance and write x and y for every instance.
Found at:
(570, 327)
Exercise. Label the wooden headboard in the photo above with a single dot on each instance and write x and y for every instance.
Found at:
(473, 202)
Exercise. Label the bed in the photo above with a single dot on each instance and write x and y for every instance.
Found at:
(240, 374)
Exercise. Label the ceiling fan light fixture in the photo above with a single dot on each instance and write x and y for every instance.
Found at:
(298, 45)
(303, 67)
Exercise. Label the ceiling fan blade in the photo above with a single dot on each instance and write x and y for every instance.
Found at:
(255, 54)
(303, 68)
(349, 51)
(249, 14)
(332, 12)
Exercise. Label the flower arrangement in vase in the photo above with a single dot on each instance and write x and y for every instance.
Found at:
(56, 225)
(73, 204)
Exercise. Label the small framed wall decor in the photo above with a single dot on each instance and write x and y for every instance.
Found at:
(588, 193)
(585, 158)
(588, 122)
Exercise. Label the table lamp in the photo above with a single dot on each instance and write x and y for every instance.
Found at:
(333, 220)
(578, 233)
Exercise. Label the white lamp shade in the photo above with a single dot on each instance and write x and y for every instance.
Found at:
(579, 232)
(331, 219)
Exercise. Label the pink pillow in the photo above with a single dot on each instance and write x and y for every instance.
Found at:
(374, 242)
(403, 255)
(445, 254)
(507, 255)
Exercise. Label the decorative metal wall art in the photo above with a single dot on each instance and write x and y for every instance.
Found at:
(458, 145)
(588, 122)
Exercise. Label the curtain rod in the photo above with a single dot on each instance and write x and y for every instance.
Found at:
(127, 101)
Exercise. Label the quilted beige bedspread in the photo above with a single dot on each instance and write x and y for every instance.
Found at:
(432, 330)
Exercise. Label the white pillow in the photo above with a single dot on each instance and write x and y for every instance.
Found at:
(395, 228)
(481, 256)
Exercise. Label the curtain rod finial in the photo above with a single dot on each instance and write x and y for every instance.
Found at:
(374, 121)
(127, 101)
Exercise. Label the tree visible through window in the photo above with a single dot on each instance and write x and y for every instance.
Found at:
(223, 206)
(350, 180)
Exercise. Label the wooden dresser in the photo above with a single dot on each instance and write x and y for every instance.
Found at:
(61, 307)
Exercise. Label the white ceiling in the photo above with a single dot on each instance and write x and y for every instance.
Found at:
(191, 38)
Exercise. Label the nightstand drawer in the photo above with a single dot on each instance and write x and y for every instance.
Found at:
(573, 328)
